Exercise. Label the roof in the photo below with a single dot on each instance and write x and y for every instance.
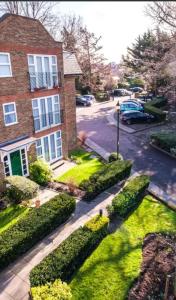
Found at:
(17, 144)
(5, 16)
(71, 66)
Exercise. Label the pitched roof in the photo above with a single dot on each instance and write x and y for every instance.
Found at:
(71, 66)
(5, 16)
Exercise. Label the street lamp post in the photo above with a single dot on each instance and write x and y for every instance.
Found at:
(118, 117)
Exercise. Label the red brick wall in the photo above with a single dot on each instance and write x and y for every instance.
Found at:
(70, 111)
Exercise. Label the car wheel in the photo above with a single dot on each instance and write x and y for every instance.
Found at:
(128, 122)
(85, 104)
(149, 121)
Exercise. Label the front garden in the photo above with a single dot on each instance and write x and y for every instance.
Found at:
(165, 141)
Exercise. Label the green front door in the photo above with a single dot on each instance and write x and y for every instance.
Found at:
(15, 158)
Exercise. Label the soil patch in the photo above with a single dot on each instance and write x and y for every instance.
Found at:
(63, 187)
(158, 262)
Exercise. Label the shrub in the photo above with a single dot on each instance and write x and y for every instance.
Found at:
(106, 177)
(164, 140)
(40, 172)
(20, 188)
(70, 254)
(57, 290)
(129, 198)
(153, 106)
(36, 224)
(114, 156)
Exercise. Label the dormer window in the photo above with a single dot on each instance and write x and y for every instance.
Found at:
(43, 71)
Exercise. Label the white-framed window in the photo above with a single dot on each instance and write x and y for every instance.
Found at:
(46, 112)
(10, 114)
(43, 71)
(49, 147)
(5, 65)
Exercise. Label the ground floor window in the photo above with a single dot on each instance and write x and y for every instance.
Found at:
(49, 147)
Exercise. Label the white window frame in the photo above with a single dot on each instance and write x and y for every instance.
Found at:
(6, 64)
(43, 68)
(47, 112)
(8, 113)
(42, 146)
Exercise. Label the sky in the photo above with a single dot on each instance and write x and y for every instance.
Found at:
(119, 23)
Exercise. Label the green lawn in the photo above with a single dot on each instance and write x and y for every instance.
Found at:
(11, 215)
(85, 168)
(109, 272)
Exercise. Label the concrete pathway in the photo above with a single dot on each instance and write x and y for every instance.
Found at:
(153, 188)
(14, 280)
(63, 168)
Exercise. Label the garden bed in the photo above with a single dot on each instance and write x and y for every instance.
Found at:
(114, 266)
(158, 262)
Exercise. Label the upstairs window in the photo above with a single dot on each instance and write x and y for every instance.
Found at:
(10, 115)
(5, 66)
(43, 71)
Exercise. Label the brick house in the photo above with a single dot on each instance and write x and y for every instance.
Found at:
(37, 96)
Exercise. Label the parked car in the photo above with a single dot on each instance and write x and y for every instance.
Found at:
(89, 97)
(135, 100)
(130, 117)
(129, 105)
(83, 101)
(136, 89)
(122, 92)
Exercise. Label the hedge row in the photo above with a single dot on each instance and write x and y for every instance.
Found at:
(129, 198)
(165, 140)
(106, 177)
(33, 227)
(71, 253)
(153, 107)
(57, 290)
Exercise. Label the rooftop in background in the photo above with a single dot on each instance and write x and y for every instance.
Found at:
(71, 66)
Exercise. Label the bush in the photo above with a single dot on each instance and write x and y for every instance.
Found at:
(114, 156)
(71, 253)
(40, 172)
(20, 188)
(33, 227)
(106, 177)
(153, 106)
(129, 198)
(57, 290)
(165, 140)
(102, 96)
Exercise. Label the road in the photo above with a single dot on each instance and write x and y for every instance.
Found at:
(159, 166)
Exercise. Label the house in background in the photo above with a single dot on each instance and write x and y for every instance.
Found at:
(37, 96)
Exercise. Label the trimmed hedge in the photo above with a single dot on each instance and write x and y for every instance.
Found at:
(20, 188)
(130, 196)
(114, 156)
(106, 177)
(153, 107)
(33, 227)
(71, 253)
(57, 290)
(165, 140)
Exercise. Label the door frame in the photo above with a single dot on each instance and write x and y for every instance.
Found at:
(26, 157)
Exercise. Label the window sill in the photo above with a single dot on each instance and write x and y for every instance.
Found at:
(6, 125)
(48, 127)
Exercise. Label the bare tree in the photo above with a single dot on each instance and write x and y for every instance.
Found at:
(41, 10)
(163, 13)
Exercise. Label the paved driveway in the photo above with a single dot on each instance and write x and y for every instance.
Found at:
(132, 146)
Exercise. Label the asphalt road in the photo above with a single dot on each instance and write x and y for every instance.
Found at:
(161, 167)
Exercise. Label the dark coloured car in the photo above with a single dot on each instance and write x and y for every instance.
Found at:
(81, 100)
(130, 117)
(136, 89)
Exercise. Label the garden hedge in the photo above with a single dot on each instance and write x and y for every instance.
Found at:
(153, 107)
(106, 177)
(130, 196)
(33, 227)
(164, 140)
(57, 290)
(20, 188)
(71, 253)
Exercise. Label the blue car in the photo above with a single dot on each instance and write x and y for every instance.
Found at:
(128, 106)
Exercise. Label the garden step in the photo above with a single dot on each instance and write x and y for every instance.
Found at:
(57, 164)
